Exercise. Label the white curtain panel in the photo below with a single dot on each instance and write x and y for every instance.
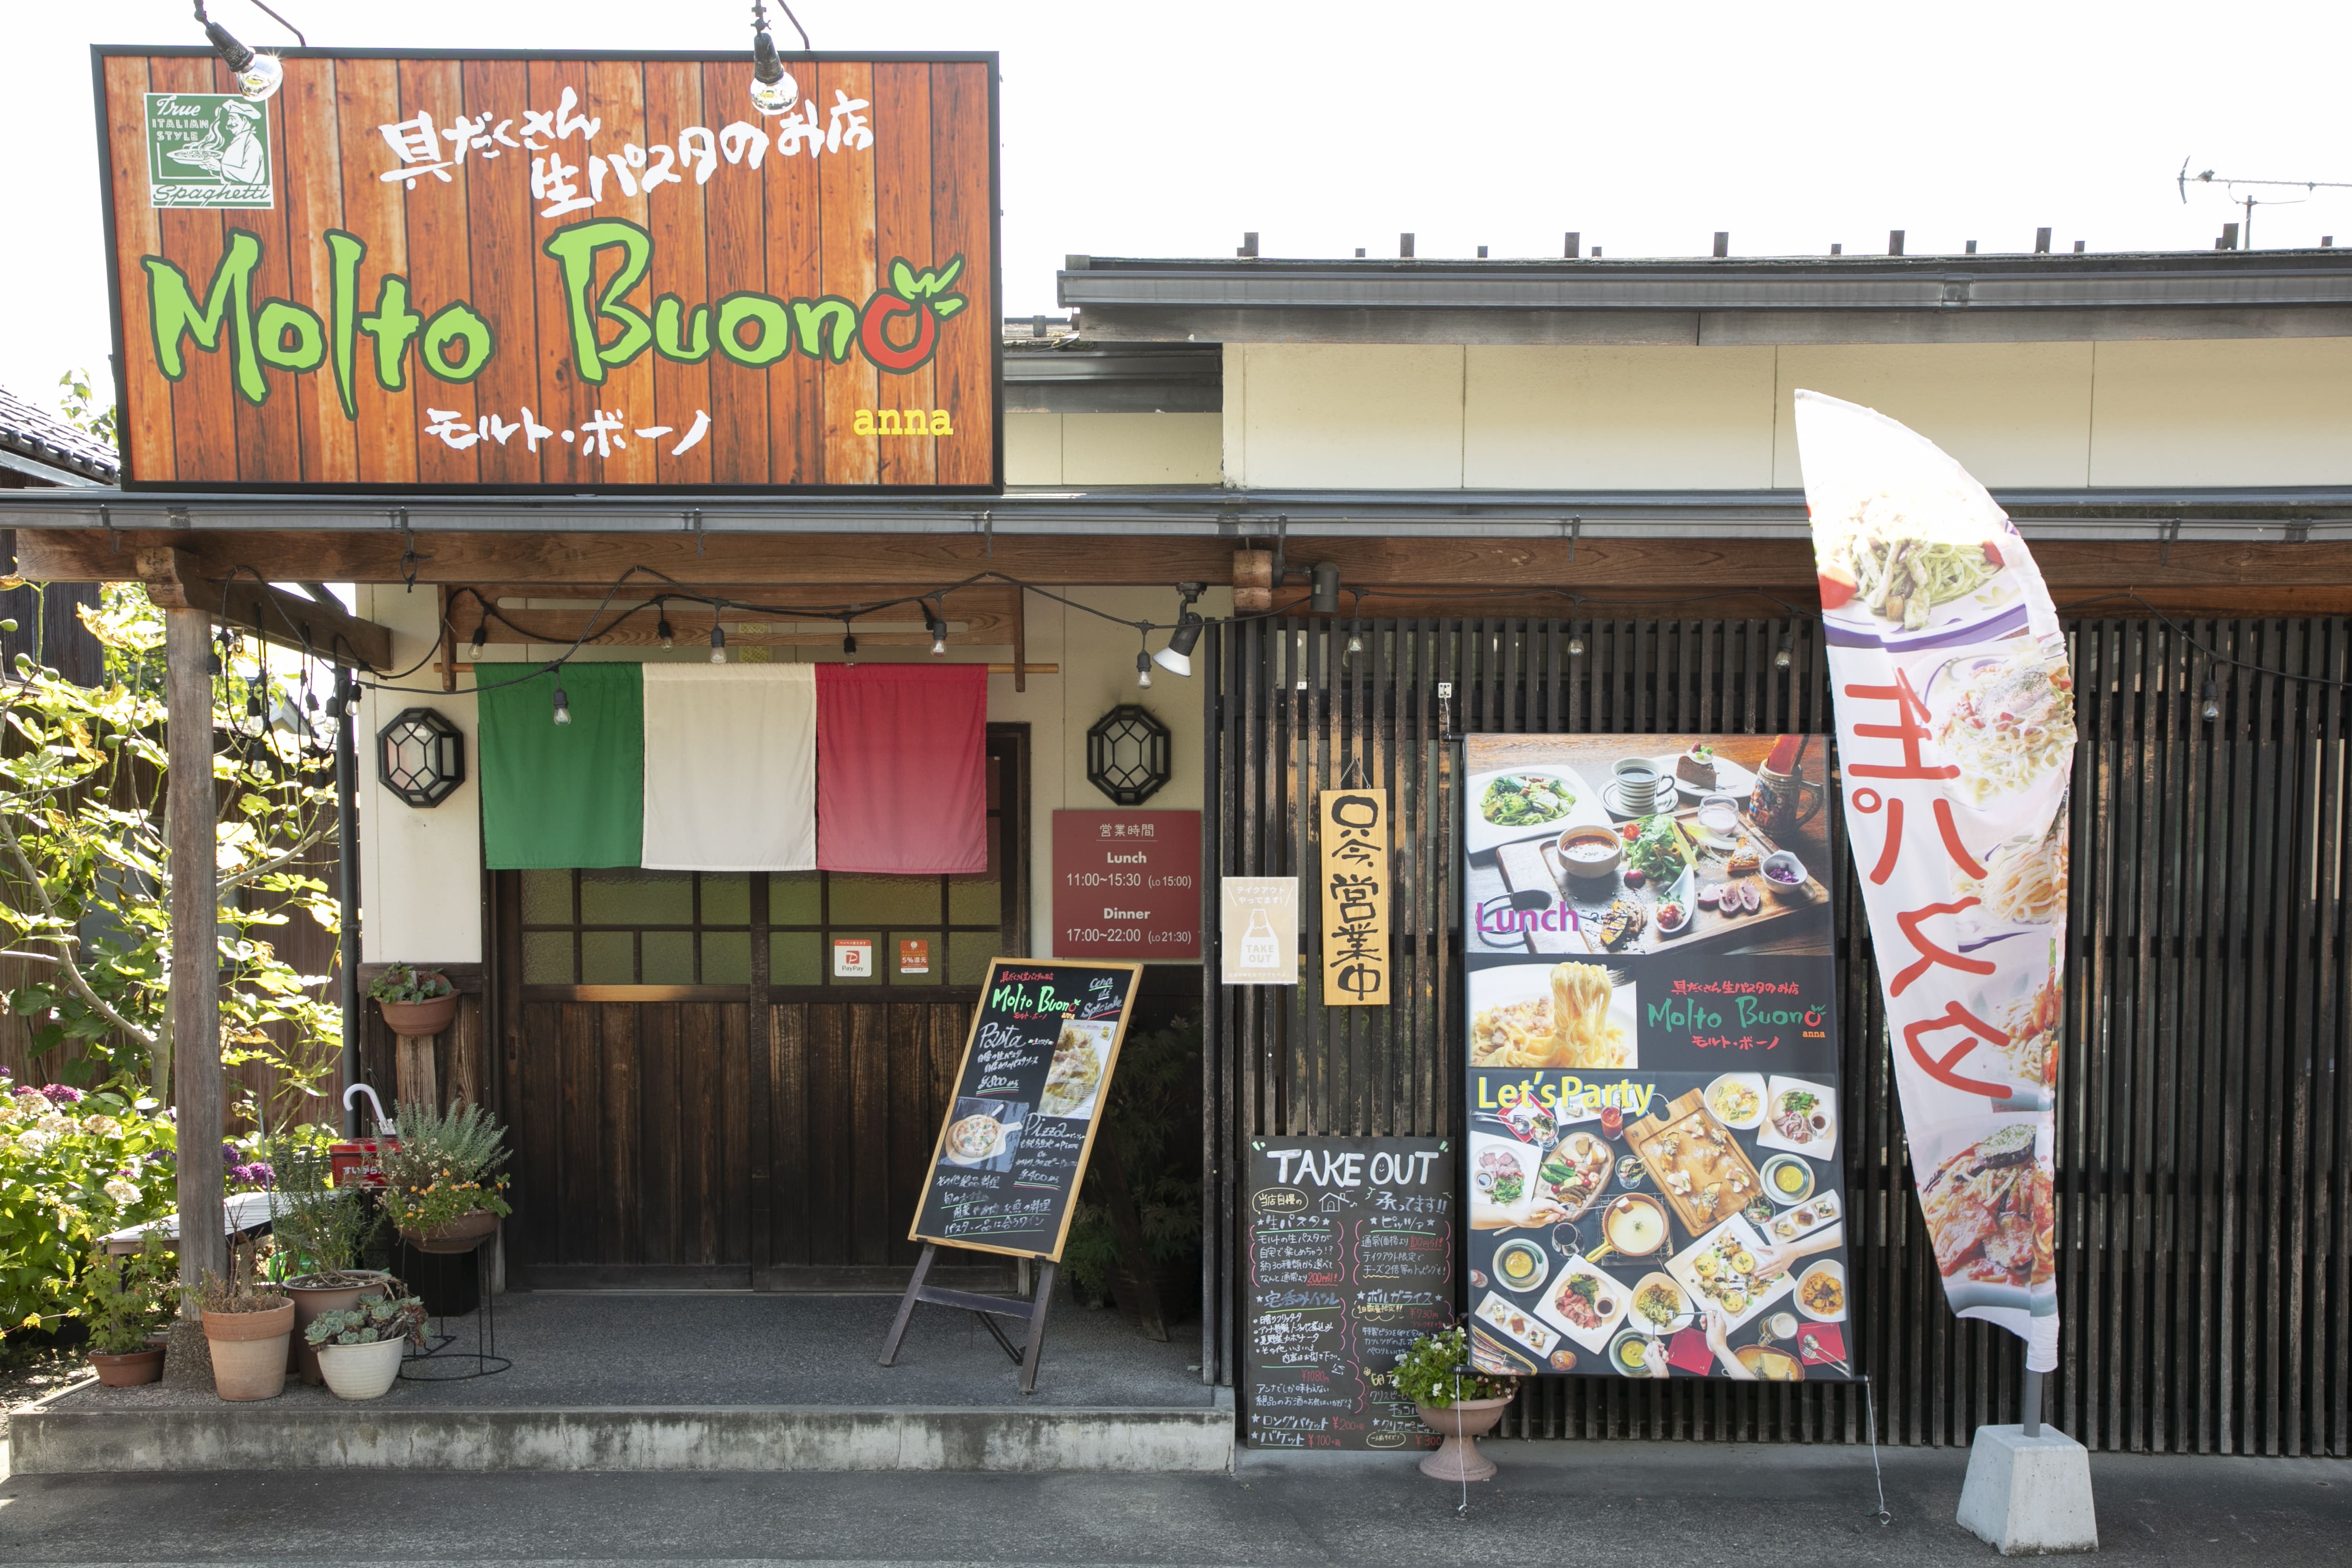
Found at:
(730, 767)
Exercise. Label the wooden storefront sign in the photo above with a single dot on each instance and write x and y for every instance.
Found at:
(1355, 897)
(582, 272)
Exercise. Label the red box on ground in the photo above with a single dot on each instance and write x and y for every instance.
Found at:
(1126, 884)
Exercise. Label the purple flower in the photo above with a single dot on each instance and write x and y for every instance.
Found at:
(257, 1174)
(231, 1154)
(61, 1094)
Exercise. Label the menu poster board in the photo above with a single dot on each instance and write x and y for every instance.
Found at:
(1654, 1186)
(1351, 1247)
(1028, 1099)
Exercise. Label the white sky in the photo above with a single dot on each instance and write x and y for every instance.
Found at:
(1167, 129)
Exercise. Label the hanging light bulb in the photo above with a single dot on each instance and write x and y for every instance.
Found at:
(1576, 647)
(937, 624)
(258, 75)
(1142, 668)
(2212, 708)
(661, 624)
(562, 704)
(772, 89)
(1783, 659)
(481, 634)
(1355, 640)
(717, 643)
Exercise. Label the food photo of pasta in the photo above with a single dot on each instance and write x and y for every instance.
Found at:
(2008, 722)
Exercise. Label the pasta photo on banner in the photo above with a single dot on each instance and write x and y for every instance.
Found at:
(1956, 727)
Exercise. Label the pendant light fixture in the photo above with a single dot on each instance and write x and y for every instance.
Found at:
(661, 624)
(717, 643)
(936, 623)
(772, 88)
(562, 703)
(258, 75)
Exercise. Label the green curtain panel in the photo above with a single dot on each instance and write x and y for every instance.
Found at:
(560, 796)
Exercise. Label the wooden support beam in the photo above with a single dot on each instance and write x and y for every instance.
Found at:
(977, 616)
(832, 565)
(175, 579)
(195, 1064)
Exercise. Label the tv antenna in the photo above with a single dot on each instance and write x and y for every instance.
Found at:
(2246, 238)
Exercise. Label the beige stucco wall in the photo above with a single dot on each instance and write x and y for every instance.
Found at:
(1111, 448)
(421, 869)
(2270, 411)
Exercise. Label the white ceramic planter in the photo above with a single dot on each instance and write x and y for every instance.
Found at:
(362, 1371)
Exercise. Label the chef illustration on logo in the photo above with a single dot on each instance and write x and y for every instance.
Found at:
(207, 150)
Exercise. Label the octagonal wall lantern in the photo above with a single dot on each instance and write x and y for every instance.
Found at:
(1127, 755)
(421, 757)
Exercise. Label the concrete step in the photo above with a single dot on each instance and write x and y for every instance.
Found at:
(742, 1437)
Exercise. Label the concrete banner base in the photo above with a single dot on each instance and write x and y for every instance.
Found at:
(2027, 1496)
(262, 1437)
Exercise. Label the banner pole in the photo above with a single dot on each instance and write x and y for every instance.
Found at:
(2032, 1403)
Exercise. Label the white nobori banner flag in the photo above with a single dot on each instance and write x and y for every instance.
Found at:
(1956, 727)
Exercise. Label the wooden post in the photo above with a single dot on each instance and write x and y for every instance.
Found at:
(417, 1078)
(195, 944)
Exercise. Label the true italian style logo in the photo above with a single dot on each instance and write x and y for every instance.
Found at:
(207, 150)
(897, 329)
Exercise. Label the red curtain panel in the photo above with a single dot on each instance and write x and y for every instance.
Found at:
(901, 767)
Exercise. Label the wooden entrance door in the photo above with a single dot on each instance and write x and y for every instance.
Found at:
(698, 1101)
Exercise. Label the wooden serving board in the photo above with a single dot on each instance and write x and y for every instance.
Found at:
(1643, 1136)
(1706, 924)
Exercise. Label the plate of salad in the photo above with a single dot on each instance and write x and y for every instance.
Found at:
(1656, 851)
(1512, 804)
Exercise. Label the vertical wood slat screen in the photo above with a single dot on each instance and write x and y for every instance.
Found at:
(2204, 1274)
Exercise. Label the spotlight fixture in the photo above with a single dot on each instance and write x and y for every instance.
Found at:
(717, 643)
(936, 623)
(772, 89)
(1325, 593)
(661, 624)
(258, 75)
(1142, 668)
(562, 703)
(1176, 658)
(2212, 708)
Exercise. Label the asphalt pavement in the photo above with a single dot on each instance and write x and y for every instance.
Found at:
(1623, 1505)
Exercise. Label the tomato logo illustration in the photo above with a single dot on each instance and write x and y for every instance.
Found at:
(888, 338)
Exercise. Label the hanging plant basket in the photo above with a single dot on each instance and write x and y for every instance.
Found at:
(419, 1018)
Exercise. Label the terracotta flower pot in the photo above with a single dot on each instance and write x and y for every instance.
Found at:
(310, 1300)
(1458, 1459)
(362, 1371)
(249, 1352)
(130, 1369)
(460, 1235)
(416, 1018)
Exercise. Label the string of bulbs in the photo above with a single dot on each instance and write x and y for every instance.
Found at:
(1174, 655)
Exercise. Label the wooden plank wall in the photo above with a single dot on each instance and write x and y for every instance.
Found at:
(2204, 1272)
(787, 224)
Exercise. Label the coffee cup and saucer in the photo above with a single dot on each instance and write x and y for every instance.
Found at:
(1636, 787)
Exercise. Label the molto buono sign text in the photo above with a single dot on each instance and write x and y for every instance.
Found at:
(580, 272)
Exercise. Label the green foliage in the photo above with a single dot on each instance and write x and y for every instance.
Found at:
(403, 982)
(130, 1297)
(70, 1173)
(86, 876)
(373, 1320)
(81, 408)
(445, 1167)
(1153, 1117)
(1435, 1372)
(319, 1228)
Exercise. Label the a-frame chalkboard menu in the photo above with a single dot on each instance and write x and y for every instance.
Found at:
(1014, 1148)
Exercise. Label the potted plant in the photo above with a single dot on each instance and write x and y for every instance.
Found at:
(413, 1001)
(246, 1327)
(319, 1229)
(1455, 1399)
(442, 1183)
(360, 1347)
(128, 1297)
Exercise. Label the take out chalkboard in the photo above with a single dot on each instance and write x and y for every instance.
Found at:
(1013, 1145)
(1350, 1258)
